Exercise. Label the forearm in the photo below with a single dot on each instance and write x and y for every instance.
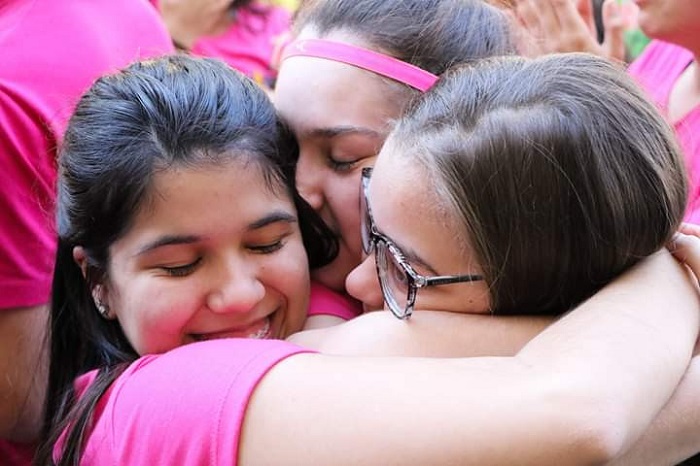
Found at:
(674, 435)
(23, 372)
(646, 342)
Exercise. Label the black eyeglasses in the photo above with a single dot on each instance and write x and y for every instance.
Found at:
(398, 280)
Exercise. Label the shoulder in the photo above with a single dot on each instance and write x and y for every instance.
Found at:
(189, 402)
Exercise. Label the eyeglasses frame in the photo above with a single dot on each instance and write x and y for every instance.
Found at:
(416, 280)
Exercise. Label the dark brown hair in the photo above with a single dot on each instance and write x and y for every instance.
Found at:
(431, 34)
(172, 111)
(561, 172)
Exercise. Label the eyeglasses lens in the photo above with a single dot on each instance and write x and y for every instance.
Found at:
(393, 279)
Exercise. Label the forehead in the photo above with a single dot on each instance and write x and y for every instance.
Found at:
(396, 172)
(313, 93)
(213, 196)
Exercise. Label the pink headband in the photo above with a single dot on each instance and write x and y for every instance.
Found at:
(376, 62)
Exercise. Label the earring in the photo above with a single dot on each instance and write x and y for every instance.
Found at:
(103, 309)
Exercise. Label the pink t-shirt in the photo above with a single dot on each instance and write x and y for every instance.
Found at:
(657, 70)
(182, 407)
(51, 53)
(324, 301)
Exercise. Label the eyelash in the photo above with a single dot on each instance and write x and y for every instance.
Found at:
(181, 270)
(339, 166)
(268, 248)
(184, 270)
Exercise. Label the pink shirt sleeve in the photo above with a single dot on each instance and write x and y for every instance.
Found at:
(183, 407)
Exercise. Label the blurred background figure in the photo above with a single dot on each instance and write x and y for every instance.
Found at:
(667, 68)
(51, 53)
(246, 34)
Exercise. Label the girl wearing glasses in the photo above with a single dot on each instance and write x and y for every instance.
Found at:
(518, 187)
(179, 228)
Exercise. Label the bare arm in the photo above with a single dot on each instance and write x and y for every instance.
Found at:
(23, 372)
(675, 433)
(579, 393)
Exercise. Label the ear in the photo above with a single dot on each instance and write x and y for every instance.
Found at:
(81, 259)
(99, 292)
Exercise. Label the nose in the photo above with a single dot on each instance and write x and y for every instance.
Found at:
(309, 180)
(237, 287)
(363, 284)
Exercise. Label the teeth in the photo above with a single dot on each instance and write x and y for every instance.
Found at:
(263, 332)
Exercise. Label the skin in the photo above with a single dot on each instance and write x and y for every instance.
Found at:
(24, 370)
(552, 26)
(233, 266)
(188, 20)
(674, 21)
(549, 418)
(337, 137)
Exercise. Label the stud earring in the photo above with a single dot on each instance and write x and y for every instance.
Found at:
(103, 309)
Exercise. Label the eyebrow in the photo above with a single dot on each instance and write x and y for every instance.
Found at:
(337, 131)
(175, 240)
(273, 217)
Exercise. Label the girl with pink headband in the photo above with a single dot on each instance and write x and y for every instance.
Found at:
(348, 74)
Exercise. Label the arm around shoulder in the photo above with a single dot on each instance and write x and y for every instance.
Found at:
(579, 393)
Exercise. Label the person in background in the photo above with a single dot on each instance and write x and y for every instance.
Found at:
(667, 69)
(246, 34)
(51, 53)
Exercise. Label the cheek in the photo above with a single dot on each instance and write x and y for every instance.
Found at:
(154, 316)
(289, 276)
(345, 204)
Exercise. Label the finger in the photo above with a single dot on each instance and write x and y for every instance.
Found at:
(527, 27)
(548, 11)
(586, 11)
(690, 229)
(527, 16)
(686, 249)
(579, 36)
(614, 25)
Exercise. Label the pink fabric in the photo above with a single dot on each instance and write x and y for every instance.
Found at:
(324, 301)
(249, 45)
(51, 53)
(366, 59)
(182, 407)
(657, 70)
(14, 454)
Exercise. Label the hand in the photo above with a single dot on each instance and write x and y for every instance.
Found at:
(685, 247)
(188, 20)
(554, 26)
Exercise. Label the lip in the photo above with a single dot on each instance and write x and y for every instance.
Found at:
(259, 330)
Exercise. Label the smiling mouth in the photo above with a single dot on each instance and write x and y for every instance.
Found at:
(260, 330)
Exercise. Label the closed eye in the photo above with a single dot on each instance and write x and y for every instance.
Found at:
(181, 270)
